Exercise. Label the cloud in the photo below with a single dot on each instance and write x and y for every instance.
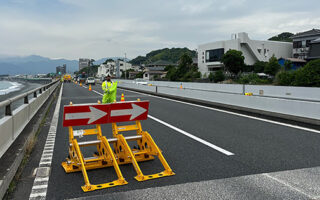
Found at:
(99, 28)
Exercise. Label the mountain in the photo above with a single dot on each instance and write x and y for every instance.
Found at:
(102, 60)
(283, 37)
(172, 55)
(34, 64)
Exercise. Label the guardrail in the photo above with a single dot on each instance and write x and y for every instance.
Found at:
(305, 110)
(14, 120)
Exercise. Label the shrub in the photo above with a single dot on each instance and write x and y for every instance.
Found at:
(218, 76)
(284, 78)
(309, 75)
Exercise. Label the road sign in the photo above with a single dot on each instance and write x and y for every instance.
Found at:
(89, 114)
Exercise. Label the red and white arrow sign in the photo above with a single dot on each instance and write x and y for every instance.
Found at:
(90, 114)
(93, 115)
(134, 112)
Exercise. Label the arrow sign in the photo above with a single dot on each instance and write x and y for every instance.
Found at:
(93, 115)
(89, 114)
(134, 112)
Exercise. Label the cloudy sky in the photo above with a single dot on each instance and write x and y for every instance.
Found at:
(106, 28)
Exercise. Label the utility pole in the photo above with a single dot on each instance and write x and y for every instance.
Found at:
(125, 68)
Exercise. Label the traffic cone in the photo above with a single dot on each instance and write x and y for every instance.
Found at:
(80, 83)
(90, 87)
(181, 86)
(122, 97)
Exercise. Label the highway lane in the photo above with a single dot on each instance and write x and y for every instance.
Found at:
(258, 146)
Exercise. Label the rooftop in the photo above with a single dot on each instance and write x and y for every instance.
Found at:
(307, 33)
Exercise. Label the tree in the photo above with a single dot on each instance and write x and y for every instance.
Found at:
(259, 66)
(309, 75)
(284, 78)
(287, 65)
(108, 60)
(218, 76)
(233, 61)
(283, 37)
(272, 66)
(210, 76)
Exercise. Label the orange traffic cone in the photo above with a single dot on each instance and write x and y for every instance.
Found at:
(181, 86)
(122, 97)
(80, 83)
(90, 87)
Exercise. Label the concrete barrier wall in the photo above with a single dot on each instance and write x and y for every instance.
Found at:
(303, 93)
(12, 126)
(298, 108)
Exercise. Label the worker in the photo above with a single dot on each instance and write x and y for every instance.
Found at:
(110, 90)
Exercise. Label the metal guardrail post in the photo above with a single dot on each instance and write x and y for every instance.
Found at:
(243, 89)
(40, 91)
(8, 110)
(35, 94)
(156, 89)
(26, 100)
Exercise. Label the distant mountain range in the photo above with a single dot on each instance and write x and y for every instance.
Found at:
(35, 64)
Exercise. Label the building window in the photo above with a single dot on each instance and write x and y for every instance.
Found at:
(203, 53)
(214, 55)
(297, 44)
(145, 75)
(308, 43)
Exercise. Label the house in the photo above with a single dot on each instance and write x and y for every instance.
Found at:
(302, 42)
(296, 62)
(113, 68)
(160, 63)
(314, 51)
(152, 72)
(210, 54)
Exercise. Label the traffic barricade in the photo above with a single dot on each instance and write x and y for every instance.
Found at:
(106, 156)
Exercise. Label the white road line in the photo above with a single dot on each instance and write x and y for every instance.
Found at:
(42, 194)
(39, 179)
(46, 157)
(37, 187)
(232, 113)
(228, 153)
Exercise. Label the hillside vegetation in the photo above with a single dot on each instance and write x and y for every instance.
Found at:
(172, 55)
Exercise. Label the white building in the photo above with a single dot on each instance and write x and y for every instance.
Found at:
(210, 54)
(111, 68)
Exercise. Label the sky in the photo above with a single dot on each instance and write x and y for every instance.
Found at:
(110, 28)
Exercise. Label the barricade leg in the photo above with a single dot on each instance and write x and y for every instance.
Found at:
(147, 148)
(105, 157)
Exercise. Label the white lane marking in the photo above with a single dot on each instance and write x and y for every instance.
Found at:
(232, 113)
(37, 187)
(46, 157)
(35, 194)
(228, 153)
(39, 179)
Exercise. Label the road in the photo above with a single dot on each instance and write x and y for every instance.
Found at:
(213, 153)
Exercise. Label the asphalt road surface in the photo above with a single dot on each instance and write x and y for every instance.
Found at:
(215, 155)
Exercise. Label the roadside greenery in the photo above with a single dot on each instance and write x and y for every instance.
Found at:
(308, 76)
(233, 61)
(173, 55)
(185, 71)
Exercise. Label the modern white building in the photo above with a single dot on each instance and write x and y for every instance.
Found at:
(111, 68)
(210, 54)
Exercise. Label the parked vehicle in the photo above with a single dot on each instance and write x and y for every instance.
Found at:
(67, 78)
(90, 80)
(140, 81)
